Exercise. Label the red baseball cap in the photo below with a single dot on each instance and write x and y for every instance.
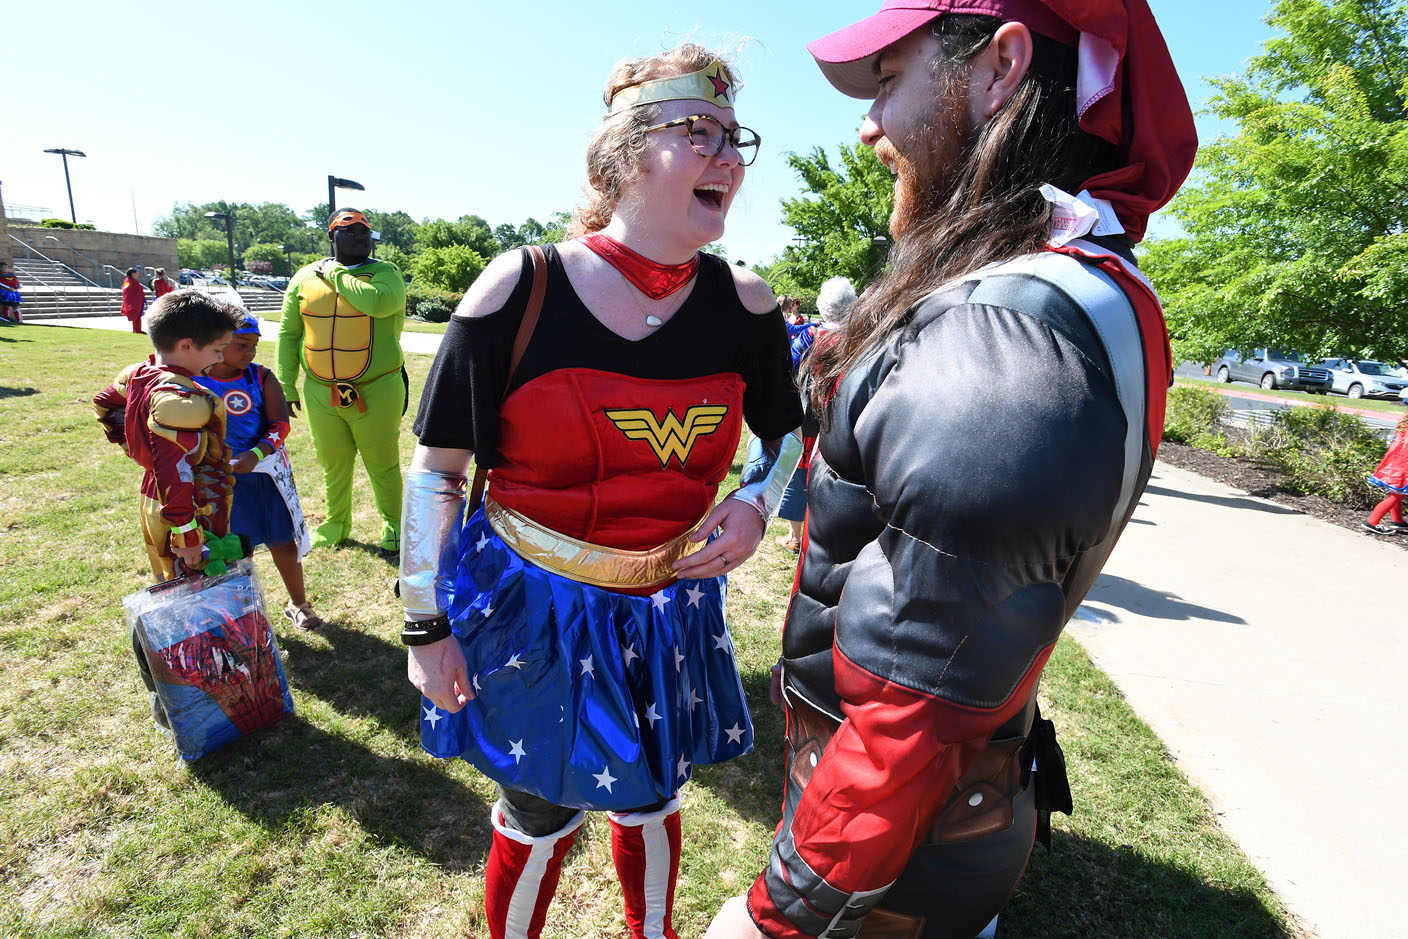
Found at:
(1127, 90)
(847, 57)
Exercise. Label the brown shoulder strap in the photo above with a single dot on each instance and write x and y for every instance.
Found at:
(520, 345)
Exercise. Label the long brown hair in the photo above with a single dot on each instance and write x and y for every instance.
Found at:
(987, 209)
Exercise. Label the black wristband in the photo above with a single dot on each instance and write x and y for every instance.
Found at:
(424, 632)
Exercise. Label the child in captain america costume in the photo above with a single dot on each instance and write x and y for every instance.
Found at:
(569, 638)
(266, 508)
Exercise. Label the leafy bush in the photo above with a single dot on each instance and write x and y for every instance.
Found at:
(1193, 413)
(452, 267)
(431, 305)
(263, 253)
(1323, 451)
(64, 223)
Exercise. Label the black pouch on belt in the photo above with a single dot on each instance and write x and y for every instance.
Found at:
(1043, 759)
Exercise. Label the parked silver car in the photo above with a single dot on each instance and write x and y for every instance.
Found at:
(1362, 378)
(1272, 369)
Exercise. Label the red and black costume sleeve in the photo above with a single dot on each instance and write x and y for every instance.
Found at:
(951, 535)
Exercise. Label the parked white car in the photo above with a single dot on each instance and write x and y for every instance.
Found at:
(1363, 378)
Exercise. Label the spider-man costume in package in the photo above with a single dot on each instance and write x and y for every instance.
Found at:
(214, 664)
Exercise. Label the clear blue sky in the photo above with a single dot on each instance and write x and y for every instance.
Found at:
(439, 109)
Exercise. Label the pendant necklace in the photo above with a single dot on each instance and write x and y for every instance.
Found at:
(657, 281)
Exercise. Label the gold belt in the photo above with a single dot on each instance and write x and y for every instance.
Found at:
(584, 562)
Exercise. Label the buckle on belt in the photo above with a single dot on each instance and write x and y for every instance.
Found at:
(344, 394)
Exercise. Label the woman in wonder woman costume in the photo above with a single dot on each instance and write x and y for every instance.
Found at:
(569, 638)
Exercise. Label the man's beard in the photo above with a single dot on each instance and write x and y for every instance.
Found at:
(927, 173)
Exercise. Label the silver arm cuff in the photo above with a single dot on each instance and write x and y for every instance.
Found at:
(765, 474)
(431, 516)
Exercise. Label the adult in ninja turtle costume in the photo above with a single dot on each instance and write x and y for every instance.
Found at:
(342, 321)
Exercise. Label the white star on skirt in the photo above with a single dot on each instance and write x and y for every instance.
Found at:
(735, 733)
(516, 751)
(432, 714)
(604, 779)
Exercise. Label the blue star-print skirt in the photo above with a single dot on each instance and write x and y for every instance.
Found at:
(584, 697)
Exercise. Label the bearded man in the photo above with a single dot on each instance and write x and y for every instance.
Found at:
(990, 418)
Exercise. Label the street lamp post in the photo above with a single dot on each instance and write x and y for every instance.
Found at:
(229, 218)
(288, 257)
(335, 183)
(66, 154)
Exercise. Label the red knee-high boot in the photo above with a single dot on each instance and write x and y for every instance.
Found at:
(646, 849)
(521, 877)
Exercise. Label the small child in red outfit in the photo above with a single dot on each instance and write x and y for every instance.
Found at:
(1391, 475)
(175, 429)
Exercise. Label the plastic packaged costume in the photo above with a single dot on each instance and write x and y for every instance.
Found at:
(210, 658)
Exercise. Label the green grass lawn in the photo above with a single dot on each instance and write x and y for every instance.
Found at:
(335, 823)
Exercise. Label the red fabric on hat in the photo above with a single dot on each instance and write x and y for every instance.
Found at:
(1145, 112)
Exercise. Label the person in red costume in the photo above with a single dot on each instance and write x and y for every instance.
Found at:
(161, 284)
(134, 299)
(951, 532)
(573, 647)
(1391, 477)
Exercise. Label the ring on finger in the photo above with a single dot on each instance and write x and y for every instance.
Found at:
(724, 559)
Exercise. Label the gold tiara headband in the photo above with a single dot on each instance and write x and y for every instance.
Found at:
(710, 83)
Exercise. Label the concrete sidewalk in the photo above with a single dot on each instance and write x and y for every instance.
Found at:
(1266, 649)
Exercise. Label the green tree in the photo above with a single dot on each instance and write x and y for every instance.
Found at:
(1295, 225)
(270, 253)
(394, 255)
(397, 228)
(201, 253)
(838, 217)
(452, 267)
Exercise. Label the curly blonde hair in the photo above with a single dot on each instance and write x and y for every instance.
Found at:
(615, 151)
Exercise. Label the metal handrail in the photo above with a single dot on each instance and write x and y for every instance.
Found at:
(30, 249)
(74, 251)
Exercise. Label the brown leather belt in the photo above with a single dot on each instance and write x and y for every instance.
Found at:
(981, 801)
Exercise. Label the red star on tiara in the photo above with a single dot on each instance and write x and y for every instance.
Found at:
(720, 86)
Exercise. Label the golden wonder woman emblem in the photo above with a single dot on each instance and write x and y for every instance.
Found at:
(672, 437)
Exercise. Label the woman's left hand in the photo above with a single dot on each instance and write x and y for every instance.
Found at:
(740, 529)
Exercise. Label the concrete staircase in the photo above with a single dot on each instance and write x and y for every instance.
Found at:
(37, 272)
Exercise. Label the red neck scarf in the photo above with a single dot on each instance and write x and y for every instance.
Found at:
(657, 281)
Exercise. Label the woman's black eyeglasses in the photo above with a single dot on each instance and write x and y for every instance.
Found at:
(707, 136)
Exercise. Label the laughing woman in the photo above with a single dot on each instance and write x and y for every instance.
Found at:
(569, 638)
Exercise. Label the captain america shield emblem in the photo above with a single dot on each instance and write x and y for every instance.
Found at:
(238, 402)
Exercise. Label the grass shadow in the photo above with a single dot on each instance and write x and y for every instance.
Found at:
(13, 339)
(752, 785)
(1084, 888)
(7, 392)
(355, 673)
(273, 777)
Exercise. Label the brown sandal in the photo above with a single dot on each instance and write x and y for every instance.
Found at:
(787, 542)
(303, 616)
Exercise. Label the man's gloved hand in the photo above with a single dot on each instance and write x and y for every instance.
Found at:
(324, 268)
(294, 406)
